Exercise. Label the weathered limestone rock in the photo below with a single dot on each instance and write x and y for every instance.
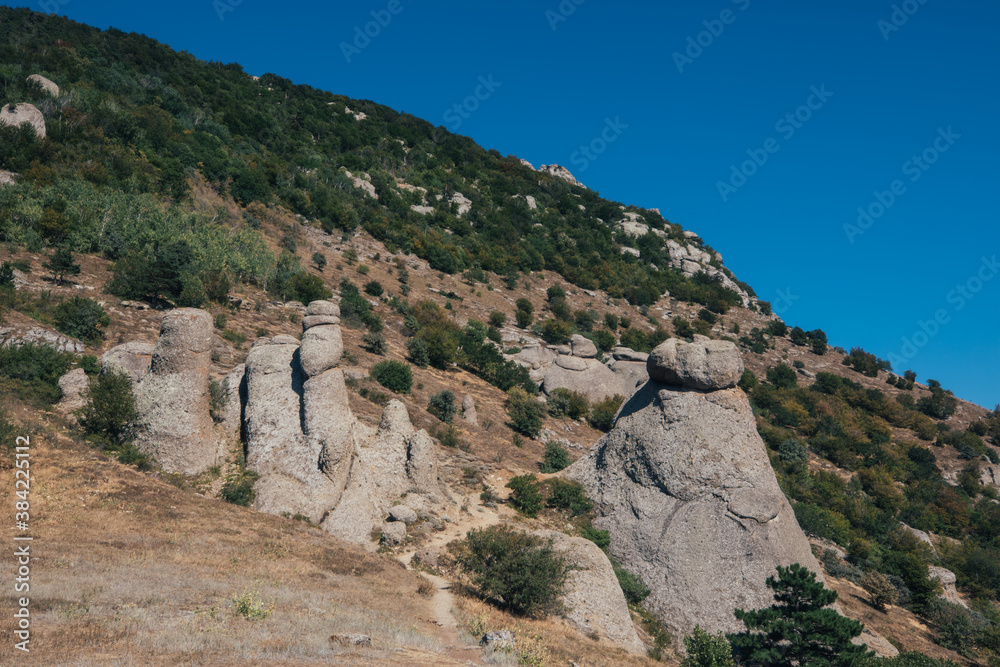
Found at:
(592, 596)
(133, 359)
(561, 172)
(583, 347)
(628, 354)
(327, 308)
(469, 410)
(393, 533)
(39, 336)
(310, 321)
(17, 114)
(587, 376)
(74, 387)
(631, 373)
(403, 513)
(685, 488)
(233, 397)
(322, 348)
(8, 177)
(704, 366)
(947, 579)
(45, 84)
(174, 425)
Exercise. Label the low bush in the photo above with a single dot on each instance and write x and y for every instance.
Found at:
(82, 318)
(517, 571)
(526, 495)
(393, 375)
(416, 350)
(555, 458)
(602, 415)
(563, 402)
(568, 495)
(442, 405)
(37, 367)
(525, 412)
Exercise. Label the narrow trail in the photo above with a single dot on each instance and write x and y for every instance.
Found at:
(443, 601)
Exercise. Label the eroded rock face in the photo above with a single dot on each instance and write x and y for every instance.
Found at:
(74, 387)
(17, 114)
(592, 597)
(586, 376)
(702, 365)
(684, 486)
(133, 359)
(175, 426)
(469, 413)
(313, 457)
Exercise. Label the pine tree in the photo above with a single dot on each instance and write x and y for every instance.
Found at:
(799, 629)
(61, 264)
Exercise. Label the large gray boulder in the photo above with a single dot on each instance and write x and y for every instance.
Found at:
(702, 365)
(322, 347)
(175, 426)
(685, 488)
(586, 376)
(133, 359)
(583, 347)
(592, 596)
(18, 114)
(45, 84)
(632, 374)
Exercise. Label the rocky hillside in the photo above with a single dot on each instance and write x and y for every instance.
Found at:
(366, 332)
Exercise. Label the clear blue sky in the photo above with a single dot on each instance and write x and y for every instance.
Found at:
(888, 92)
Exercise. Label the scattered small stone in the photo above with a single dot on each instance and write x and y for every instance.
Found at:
(351, 639)
(498, 639)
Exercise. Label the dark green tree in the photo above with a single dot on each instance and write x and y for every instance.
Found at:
(799, 628)
(61, 264)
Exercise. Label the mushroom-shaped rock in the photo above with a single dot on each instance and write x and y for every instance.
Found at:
(45, 84)
(684, 486)
(174, 424)
(703, 365)
(327, 308)
(17, 114)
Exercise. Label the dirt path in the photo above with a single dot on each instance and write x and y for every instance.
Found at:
(443, 600)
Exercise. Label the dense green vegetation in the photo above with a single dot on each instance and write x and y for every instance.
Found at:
(137, 120)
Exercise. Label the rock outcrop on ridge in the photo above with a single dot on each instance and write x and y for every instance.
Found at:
(685, 488)
(18, 114)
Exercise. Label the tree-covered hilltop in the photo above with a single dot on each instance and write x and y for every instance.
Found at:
(135, 121)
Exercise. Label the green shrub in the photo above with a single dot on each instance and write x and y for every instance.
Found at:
(306, 288)
(602, 415)
(497, 319)
(238, 487)
(556, 332)
(374, 342)
(82, 318)
(525, 412)
(374, 288)
(521, 572)
(707, 650)
(604, 340)
(523, 319)
(563, 402)
(611, 321)
(319, 259)
(632, 586)
(416, 351)
(555, 458)
(442, 405)
(525, 495)
(568, 495)
(782, 376)
(37, 367)
(90, 364)
(110, 409)
(393, 375)
(823, 522)
(683, 328)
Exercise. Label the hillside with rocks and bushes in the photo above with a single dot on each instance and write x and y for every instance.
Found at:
(306, 378)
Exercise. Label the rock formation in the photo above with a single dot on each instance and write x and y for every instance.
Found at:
(313, 457)
(630, 367)
(469, 410)
(175, 426)
(592, 597)
(17, 114)
(586, 376)
(39, 336)
(74, 387)
(684, 485)
(45, 84)
(133, 359)
(561, 172)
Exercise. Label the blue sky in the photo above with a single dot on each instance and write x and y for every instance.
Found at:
(696, 90)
